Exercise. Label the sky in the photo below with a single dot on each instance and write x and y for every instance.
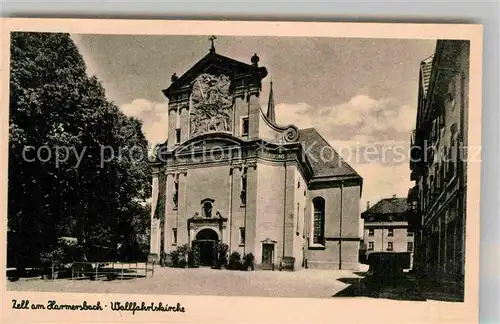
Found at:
(360, 94)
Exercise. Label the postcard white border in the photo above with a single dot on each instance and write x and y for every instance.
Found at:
(250, 309)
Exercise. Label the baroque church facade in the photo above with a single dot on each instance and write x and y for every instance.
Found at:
(231, 173)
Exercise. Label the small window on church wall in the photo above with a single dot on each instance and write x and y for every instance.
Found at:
(177, 136)
(176, 194)
(174, 236)
(244, 187)
(207, 209)
(242, 236)
(244, 126)
(319, 220)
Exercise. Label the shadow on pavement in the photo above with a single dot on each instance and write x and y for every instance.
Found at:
(369, 287)
(403, 287)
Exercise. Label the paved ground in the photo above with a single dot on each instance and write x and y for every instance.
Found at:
(206, 281)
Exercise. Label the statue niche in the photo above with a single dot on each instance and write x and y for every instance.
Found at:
(211, 105)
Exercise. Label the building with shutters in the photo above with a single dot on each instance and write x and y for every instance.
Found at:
(439, 164)
(385, 227)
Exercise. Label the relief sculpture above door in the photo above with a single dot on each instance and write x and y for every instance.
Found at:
(211, 105)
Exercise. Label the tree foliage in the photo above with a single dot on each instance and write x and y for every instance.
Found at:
(55, 107)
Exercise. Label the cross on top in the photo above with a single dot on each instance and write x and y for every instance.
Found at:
(211, 39)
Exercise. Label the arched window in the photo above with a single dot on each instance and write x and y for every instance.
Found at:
(207, 209)
(318, 220)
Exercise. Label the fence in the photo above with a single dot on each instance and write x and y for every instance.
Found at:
(111, 270)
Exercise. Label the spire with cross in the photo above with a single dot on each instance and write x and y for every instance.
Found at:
(211, 39)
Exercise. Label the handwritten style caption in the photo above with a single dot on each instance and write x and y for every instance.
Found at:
(113, 306)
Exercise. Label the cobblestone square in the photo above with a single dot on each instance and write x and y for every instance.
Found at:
(206, 281)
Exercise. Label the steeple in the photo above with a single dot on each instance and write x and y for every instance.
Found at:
(271, 114)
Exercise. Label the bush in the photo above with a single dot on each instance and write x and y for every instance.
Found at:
(163, 258)
(193, 259)
(220, 255)
(183, 250)
(248, 261)
(174, 255)
(234, 261)
(182, 264)
(57, 263)
(287, 264)
(196, 255)
(180, 256)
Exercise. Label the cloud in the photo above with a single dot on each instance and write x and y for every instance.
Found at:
(154, 117)
(361, 115)
(357, 127)
(383, 181)
(360, 121)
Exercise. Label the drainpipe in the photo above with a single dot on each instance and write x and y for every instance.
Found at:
(284, 214)
(234, 117)
(341, 216)
(246, 206)
(230, 206)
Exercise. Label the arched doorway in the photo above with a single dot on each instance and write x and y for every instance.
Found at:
(205, 241)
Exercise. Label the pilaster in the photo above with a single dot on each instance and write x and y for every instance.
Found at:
(178, 184)
(253, 113)
(154, 244)
(247, 170)
(289, 210)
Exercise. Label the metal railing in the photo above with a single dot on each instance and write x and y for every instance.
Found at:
(112, 270)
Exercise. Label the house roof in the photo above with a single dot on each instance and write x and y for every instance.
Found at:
(332, 164)
(394, 205)
(426, 67)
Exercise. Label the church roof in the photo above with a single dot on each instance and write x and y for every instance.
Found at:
(393, 205)
(332, 165)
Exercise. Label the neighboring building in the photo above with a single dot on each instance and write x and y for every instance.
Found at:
(438, 164)
(230, 173)
(386, 227)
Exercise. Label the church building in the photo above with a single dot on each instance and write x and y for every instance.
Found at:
(229, 172)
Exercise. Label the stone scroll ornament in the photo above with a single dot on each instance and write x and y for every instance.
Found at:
(291, 134)
(211, 105)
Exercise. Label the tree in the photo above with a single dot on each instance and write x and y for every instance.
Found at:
(57, 110)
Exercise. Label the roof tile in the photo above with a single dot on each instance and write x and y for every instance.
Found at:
(332, 165)
(389, 206)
